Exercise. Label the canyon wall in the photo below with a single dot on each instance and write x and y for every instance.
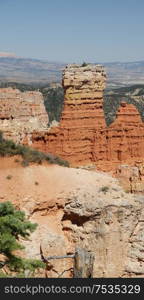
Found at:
(21, 113)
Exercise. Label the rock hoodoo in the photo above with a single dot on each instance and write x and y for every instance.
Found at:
(82, 117)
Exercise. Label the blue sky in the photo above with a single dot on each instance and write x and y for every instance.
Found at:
(73, 30)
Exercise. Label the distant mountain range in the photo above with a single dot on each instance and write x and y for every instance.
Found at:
(126, 73)
(27, 70)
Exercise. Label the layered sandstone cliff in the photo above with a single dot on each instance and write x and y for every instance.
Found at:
(124, 147)
(123, 140)
(21, 113)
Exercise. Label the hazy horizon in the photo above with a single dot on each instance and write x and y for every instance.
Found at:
(14, 55)
(73, 31)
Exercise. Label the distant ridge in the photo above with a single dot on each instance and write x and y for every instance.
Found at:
(6, 54)
(39, 71)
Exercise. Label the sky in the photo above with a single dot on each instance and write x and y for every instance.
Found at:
(73, 30)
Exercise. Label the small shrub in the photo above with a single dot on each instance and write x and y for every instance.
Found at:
(1, 136)
(61, 161)
(9, 177)
(127, 191)
(25, 163)
(13, 226)
(17, 160)
(115, 189)
(36, 183)
(9, 148)
(104, 189)
(84, 64)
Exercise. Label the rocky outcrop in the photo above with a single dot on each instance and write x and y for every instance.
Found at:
(111, 229)
(124, 149)
(131, 177)
(21, 113)
(77, 208)
(123, 140)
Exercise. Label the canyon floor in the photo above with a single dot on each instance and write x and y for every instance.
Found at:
(75, 207)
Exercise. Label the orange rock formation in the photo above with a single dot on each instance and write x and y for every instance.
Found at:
(82, 116)
(123, 140)
(82, 136)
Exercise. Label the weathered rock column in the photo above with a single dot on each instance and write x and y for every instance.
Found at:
(83, 96)
(83, 110)
(81, 118)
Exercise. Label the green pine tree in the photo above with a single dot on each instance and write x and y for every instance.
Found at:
(13, 225)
